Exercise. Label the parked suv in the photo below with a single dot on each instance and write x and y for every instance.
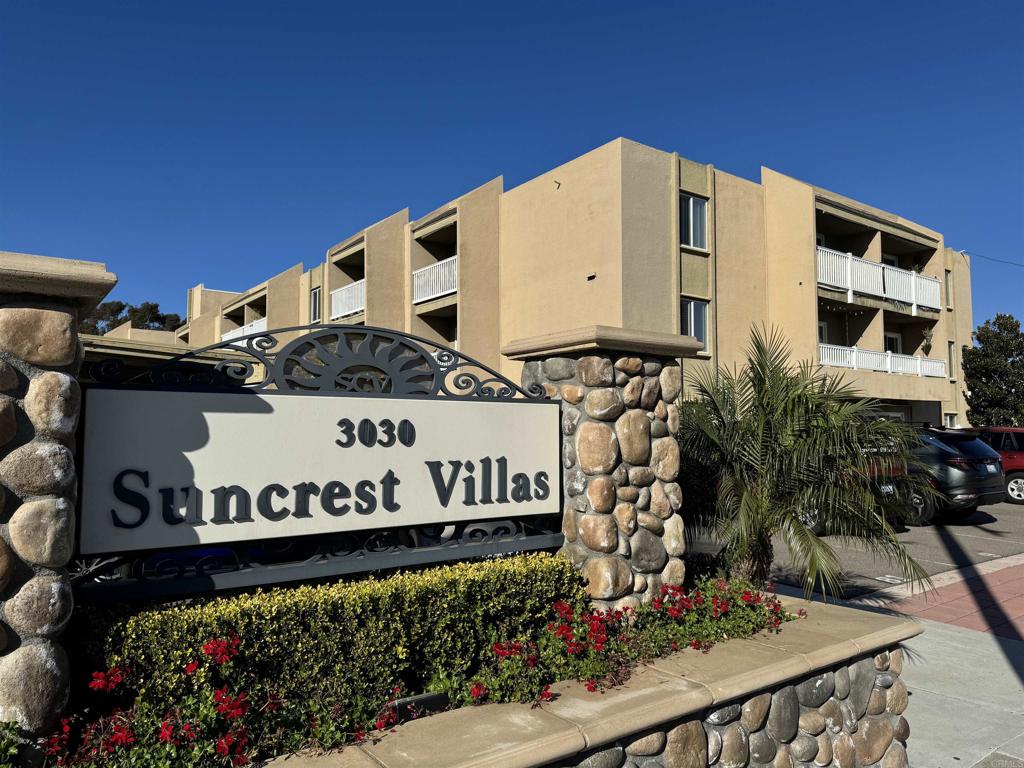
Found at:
(963, 468)
(1009, 442)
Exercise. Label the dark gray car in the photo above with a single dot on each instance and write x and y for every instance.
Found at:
(963, 468)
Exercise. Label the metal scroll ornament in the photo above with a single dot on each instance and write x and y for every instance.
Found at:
(347, 359)
(181, 573)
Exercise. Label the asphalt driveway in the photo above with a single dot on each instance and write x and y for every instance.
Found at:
(992, 532)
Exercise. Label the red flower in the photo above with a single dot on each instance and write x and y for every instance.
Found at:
(564, 610)
(222, 651)
(591, 685)
(191, 667)
(120, 736)
(58, 742)
(224, 744)
(746, 597)
(189, 731)
(546, 694)
(107, 681)
(166, 732)
(231, 707)
(478, 691)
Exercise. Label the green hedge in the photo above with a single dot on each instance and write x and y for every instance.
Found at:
(344, 646)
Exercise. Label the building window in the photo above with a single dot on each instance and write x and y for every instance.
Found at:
(893, 343)
(949, 288)
(694, 319)
(951, 358)
(693, 222)
(314, 305)
(822, 332)
(949, 420)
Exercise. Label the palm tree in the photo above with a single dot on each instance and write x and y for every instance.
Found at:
(793, 452)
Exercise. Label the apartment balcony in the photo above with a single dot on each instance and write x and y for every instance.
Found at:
(348, 300)
(437, 280)
(256, 326)
(884, 362)
(846, 272)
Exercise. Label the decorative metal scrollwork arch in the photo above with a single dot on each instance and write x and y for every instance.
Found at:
(347, 359)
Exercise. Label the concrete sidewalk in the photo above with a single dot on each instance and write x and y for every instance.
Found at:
(966, 699)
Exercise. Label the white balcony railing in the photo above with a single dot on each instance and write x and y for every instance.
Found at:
(885, 362)
(256, 326)
(348, 300)
(855, 275)
(434, 281)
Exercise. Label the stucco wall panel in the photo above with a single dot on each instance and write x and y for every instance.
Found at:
(561, 248)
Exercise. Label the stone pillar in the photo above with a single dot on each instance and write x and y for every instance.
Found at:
(622, 506)
(41, 300)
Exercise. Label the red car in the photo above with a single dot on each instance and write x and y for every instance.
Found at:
(1009, 441)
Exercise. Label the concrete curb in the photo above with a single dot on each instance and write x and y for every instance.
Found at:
(881, 597)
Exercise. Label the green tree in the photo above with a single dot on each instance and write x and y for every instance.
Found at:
(110, 314)
(792, 451)
(994, 373)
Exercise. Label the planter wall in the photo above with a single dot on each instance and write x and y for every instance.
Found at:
(825, 691)
(848, 716)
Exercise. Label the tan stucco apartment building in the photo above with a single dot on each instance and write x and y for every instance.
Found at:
(633, 237)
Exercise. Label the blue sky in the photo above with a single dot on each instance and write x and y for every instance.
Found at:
(221, 142)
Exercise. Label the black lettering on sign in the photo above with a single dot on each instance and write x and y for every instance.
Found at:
(387, 428)
(132, 498)
(384, 433)
(406, 433)
(302, 493)
(541, 487)
(168, 509)
(521, 488)
(334, 492)
(265, 504)
(444, 488)
(367, 432)
(388, 483)
(348, 433)
(366, 492)
(222, 498)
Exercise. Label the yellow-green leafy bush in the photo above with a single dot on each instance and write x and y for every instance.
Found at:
(346, 645)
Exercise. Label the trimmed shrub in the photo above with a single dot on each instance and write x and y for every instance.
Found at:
(245, 678)
(342, 648)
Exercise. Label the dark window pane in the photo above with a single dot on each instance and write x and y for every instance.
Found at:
(684, 219)
(699, 224)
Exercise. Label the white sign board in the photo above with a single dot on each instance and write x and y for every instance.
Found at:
(169, 469)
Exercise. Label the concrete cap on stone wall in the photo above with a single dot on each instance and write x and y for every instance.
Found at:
(84, 283)
(602, 337)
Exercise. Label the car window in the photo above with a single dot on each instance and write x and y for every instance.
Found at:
(932, 441)
(969, 445)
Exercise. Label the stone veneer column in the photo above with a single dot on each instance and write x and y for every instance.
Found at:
(40, 303)
(622, 506)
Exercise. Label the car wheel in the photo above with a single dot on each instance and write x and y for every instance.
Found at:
(1015, 488)
(922, 510)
